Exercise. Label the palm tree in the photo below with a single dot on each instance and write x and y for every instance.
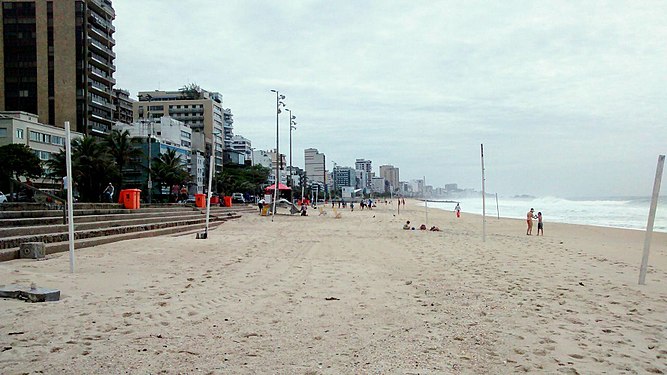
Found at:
(168, 169)
(122, 150)
(92, 167)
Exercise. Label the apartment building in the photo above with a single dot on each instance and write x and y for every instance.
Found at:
(315, 165)
(390, 173)
(202, 111)
(24, 128)
(242, 145)
(122, 106)
(57, 61)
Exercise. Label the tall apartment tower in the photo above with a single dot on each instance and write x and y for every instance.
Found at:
(315, 165)
(390, 173)
(56, 61)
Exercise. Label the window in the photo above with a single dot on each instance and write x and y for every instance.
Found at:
(3, 132)
(34, 136)
(19, 133)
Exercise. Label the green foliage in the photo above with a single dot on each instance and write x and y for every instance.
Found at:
(93, 167)
(241, 179)
(190, 91)
(19, 160)
(122, 150)
(168, 170)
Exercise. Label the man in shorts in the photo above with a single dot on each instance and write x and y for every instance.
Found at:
(540, 225)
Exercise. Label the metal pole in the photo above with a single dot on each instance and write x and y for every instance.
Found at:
(70, 198)
(483, 198)
(211, 169)
(651, 219)
(275, 190)
(425, 200)
(497, 207)
(291, 172)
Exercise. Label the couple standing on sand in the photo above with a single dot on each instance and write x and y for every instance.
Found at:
(529, 220)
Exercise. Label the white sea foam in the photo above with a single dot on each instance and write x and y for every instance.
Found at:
(625, 212)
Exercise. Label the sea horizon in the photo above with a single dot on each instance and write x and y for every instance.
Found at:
(627, 212)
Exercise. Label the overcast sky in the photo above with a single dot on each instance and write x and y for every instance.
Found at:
(568, 98)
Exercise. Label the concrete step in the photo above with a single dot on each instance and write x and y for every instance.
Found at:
(124, 220)
(89, 212)
(16, 241)
(93, 218)
(57, 247)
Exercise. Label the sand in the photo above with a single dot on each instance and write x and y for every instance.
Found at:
(319, 295)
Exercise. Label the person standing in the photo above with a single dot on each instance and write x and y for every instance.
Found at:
(108, 193)
(540, 225)
(529, 221)
(458, 210)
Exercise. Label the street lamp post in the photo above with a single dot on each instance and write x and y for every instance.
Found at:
(292, 126)
(276, 185)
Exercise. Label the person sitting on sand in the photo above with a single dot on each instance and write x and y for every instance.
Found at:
(304, 210)
(434, 229)
(422, 227)
(407, 225)
(529, 221)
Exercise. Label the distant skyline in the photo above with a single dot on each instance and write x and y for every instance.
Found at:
(569, 98)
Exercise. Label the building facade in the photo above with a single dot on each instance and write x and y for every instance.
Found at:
(345, 176)
(390, 173)
(243, 146)
(202, 112)
(378, 185)
(25, 128)
(57, 61)
(315, 165)
(122, 106)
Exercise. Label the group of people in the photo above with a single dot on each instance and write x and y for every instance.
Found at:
(421, 227)
(529, 220)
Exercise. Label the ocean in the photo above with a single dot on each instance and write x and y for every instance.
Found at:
(630, 213)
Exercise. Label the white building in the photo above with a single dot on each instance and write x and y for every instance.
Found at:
(242, 145)
(315, 165)
(261, 157)
(24, 128)
(390, 173)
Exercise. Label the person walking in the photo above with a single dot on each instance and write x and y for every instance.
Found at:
(458, 210)
(108, 193)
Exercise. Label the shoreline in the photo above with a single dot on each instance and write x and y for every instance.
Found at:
(358, 294)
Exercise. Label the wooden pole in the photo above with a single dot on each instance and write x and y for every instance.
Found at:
(651, 219)
(483, 198)
(70, 196)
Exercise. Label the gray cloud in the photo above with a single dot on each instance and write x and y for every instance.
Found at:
(568, 97)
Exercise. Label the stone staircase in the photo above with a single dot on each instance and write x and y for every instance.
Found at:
(96, 224)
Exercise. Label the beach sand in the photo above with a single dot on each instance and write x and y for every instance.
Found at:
(319, 295)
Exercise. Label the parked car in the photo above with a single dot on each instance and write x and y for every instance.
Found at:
(238, 198)
(3, 198)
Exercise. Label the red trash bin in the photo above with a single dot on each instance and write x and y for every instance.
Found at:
(228, 201)
(215, 200)
(130, 198)
(200, 200)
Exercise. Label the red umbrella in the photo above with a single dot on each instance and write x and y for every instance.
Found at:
(281, 186)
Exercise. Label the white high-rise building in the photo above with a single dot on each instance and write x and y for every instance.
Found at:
(315, 165)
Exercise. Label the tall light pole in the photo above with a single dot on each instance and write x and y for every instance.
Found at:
(292, 126)
(279, 103)
(333, 194)
(150, 155)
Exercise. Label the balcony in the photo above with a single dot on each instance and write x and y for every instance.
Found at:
(102, 35)
(100, 47)
(101, 74)
(99, 88)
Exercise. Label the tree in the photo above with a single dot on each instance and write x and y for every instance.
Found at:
(241, 179)
(191, 91)
(92, 167)
(17, 160)
(168, 169)
(122, 150)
